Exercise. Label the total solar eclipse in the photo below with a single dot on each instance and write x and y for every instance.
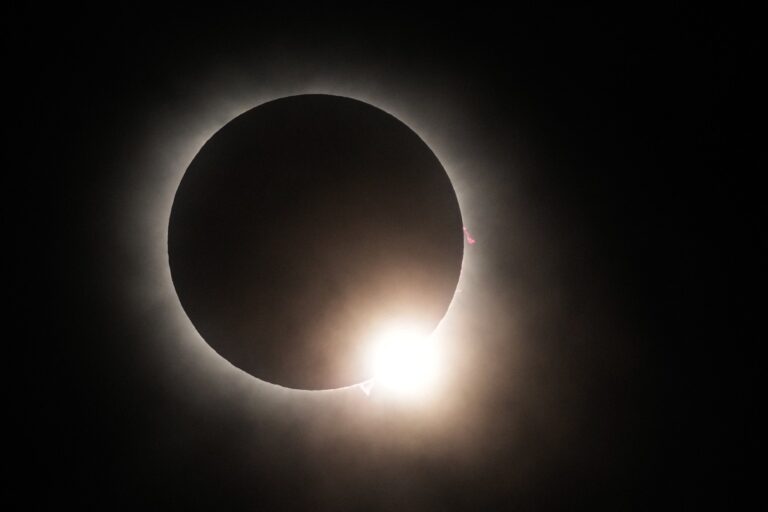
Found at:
(305, 225)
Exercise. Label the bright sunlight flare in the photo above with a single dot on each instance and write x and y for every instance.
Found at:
(405, 360)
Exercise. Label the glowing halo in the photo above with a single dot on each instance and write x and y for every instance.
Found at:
(150, 193)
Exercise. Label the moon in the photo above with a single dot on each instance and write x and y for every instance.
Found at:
(305, 225)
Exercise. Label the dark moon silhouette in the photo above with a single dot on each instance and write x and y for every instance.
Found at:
(305, 224)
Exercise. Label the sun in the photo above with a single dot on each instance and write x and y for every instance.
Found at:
(404, 361)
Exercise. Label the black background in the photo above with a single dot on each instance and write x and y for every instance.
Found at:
(635, 142)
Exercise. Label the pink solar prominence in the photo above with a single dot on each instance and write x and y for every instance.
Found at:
(470, 240)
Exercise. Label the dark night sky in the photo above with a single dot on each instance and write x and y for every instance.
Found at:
(608, 368)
